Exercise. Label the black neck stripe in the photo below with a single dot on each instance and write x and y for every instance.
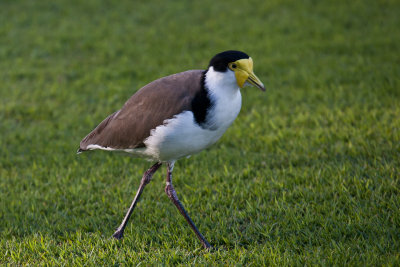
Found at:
(201, 103)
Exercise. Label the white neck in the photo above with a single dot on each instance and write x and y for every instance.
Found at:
(225, 97)
(216, 80)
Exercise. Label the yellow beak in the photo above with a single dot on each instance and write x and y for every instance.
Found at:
(243, 69)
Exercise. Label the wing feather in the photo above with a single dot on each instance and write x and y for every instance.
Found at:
(145, 110)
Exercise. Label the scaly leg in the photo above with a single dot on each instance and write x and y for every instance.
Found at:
(119, 233)
(169, 189)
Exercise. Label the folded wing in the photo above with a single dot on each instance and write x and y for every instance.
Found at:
(145, 110)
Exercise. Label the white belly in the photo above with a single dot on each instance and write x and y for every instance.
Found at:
(181, 136)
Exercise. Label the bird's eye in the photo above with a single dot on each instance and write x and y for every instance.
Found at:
(232, 66)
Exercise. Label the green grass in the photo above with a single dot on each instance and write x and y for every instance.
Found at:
(307, 175)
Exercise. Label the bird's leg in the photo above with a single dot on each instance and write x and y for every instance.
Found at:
(119, 233)
(169, 189)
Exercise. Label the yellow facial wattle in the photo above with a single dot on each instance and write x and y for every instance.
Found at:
(243, 69)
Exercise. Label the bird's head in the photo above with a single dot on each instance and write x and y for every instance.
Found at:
(240, 64)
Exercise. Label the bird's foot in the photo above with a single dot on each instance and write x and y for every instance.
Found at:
(207, 246)
(119, 234)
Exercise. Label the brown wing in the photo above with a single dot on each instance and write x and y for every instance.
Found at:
(145, 110)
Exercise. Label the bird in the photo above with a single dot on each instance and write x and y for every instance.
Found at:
(175, 117)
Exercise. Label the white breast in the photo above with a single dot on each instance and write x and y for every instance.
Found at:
(226, 97)
(181, 136)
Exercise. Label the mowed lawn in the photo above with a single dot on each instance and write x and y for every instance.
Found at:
(307, 175)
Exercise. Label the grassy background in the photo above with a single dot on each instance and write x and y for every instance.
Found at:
(308, 173)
